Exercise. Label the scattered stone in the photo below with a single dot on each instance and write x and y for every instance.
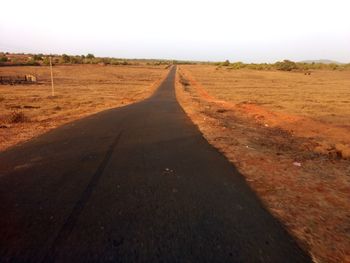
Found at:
(168, 171)
(297, 164)
(248, 147)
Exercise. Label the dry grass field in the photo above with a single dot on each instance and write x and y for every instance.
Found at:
(288, 134)
(80, 90)
(316, 105)
(322, 95)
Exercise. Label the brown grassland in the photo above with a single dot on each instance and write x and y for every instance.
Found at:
(323, 95)
(80, 90)
(288, 134)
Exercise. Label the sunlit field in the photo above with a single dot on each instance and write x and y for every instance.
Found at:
(80, 90)
(323, 95)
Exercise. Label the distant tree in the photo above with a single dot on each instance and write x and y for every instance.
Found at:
(46, 61)
(226, 63)
(37, 57)
(65, 58)
(76, 60)
(286, 65)
(90, 56)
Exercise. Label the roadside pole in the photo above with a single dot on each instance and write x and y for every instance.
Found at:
(52, 88)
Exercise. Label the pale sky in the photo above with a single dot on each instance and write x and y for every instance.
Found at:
(238, 30)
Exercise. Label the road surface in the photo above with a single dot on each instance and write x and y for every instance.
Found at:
(133, 184)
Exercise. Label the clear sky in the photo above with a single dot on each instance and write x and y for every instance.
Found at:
(238, 30)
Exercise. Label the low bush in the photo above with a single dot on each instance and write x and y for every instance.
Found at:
(237, 65)
(32, 62)
(3, 59)
(17, 117)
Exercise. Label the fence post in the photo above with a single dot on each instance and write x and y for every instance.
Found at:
(52, 87)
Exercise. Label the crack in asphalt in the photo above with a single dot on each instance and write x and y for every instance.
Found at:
(71, 220)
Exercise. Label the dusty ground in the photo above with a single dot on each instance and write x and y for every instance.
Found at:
(80, 90)
(307, 189)
(316, 105)
(323, 95)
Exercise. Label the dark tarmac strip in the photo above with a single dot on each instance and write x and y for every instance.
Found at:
(133, 184)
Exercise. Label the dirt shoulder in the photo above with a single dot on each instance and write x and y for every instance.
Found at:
(308, 190)
(27, 111)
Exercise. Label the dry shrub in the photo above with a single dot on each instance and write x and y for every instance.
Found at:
(17, 117)
(184, 82)
(57, 108)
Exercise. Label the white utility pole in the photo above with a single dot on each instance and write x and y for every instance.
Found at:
(52, 88)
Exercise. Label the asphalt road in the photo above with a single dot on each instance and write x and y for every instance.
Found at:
(132, 184)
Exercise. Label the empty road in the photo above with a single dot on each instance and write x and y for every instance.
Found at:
(133, 184)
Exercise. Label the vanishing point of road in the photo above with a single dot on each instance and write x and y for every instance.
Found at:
(133, 184)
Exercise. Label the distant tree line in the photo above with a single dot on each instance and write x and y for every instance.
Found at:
(84, 59)
(41, 59)
(64, 59)
(285, 65)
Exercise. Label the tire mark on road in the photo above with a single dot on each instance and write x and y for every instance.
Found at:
(70, 222)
